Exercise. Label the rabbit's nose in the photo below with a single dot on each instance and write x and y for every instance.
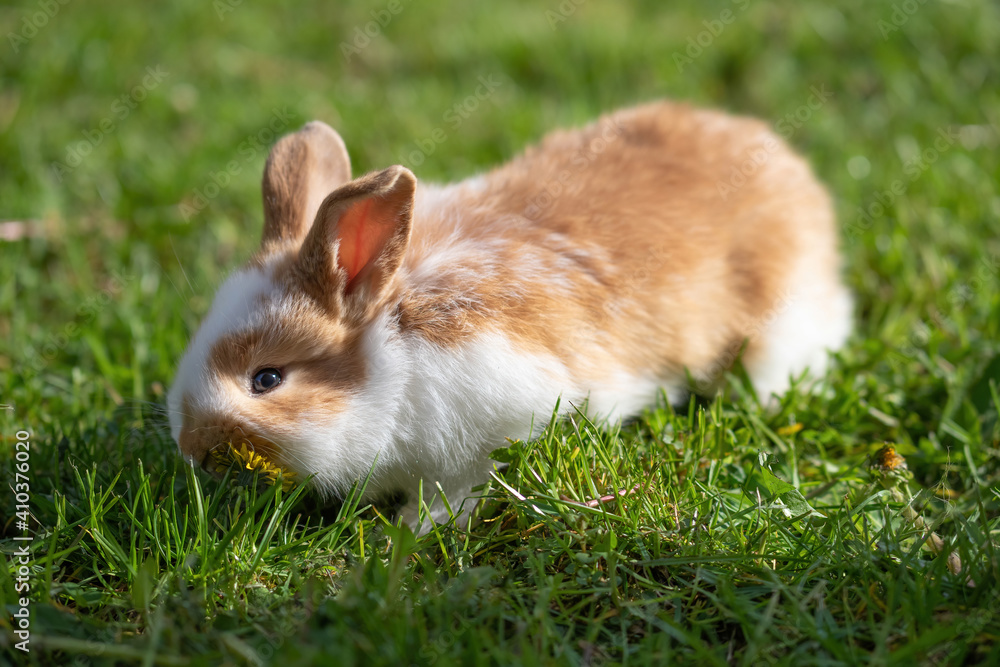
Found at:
(194, 447)
(198, 439)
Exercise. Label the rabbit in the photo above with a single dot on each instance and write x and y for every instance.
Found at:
(408, 330)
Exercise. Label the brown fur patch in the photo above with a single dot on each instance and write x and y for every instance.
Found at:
(321, 364)
(313, 353)
(301, 170)
(612, 245)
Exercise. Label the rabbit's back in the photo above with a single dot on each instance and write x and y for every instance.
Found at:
(654, 240)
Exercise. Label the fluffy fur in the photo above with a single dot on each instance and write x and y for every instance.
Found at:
(419, 326)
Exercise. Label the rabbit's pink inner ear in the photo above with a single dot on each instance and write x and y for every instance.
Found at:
(361, 237)
(357, 243)
(372, 233)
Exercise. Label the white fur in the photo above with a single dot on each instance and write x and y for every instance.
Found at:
(234, 308)
(799, 331)
(433, 414)
(625, 395)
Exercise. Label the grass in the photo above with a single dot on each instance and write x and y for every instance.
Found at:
(742, 537)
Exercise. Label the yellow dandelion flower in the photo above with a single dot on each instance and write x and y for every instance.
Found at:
(251, 464)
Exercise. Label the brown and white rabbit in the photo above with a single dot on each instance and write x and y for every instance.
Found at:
(419, 326)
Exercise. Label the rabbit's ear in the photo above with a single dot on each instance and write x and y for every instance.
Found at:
(357, 242)
(302, 169)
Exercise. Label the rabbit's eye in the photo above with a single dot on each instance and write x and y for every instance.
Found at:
(265, 380)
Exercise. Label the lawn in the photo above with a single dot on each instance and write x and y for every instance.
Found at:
(132, 140)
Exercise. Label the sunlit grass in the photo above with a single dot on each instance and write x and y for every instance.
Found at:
(714, 533)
